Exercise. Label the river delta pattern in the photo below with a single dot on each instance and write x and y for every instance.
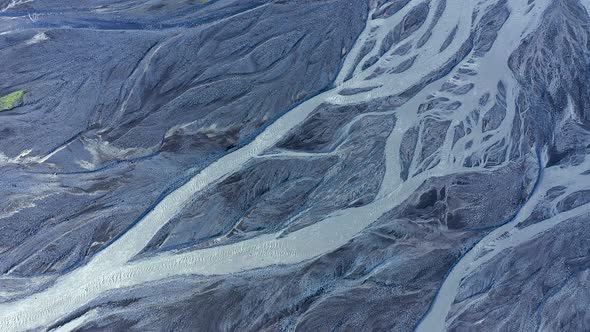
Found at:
(301, 165)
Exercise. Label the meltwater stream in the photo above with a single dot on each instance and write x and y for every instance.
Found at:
(504, 237)
(111, 268)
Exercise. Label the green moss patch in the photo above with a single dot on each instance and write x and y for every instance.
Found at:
(11, 100)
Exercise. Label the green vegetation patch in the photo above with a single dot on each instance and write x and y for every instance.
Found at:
(11, 100)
